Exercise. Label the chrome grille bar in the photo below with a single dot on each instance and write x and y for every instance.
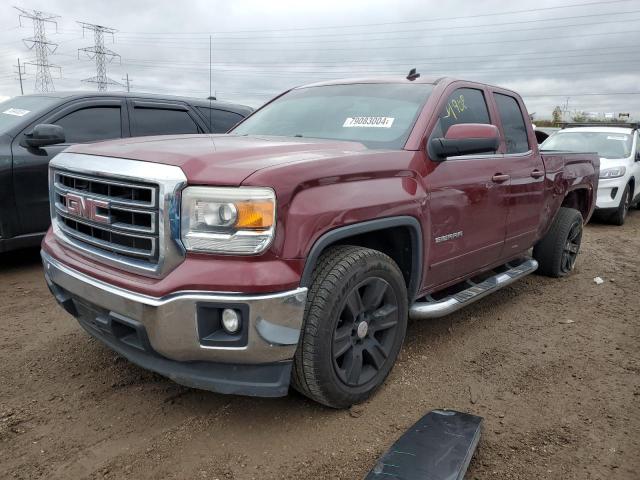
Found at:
(118, 211)
(113, 189)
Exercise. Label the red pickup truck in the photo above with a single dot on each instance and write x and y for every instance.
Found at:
(293, 249)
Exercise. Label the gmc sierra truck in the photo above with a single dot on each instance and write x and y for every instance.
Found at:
(293, 249)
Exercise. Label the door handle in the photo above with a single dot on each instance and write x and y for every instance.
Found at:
(537, 173)
(500, 177)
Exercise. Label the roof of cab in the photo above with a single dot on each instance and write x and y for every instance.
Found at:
(386, 79)
(425, 79)
(199, 102)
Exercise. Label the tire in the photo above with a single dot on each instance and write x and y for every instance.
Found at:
(351, 287)
(557, 251)
(620, 215)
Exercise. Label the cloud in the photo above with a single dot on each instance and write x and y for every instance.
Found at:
(546, 53)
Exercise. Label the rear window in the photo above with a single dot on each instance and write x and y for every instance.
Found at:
(606, 144)
(515, 129)
(19, 109)
(219, 121)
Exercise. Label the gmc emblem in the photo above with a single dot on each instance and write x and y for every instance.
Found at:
(87, 208)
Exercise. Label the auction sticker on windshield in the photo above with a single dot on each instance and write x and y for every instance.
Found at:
(368, 122)
(18, 112)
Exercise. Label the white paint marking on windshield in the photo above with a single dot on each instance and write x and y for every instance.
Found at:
(18, 112)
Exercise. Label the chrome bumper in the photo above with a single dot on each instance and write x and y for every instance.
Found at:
(171, 323)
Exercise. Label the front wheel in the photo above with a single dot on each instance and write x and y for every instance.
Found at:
(558, 250)
(620, 214)
(355, 323)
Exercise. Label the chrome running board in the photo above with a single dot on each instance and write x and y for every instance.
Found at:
(431, 308)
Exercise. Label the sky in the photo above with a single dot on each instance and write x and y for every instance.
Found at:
(579, 54)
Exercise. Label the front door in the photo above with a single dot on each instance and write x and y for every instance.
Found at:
(467, 198)
(83, 121)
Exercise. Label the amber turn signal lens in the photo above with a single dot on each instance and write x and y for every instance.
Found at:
(255, 215)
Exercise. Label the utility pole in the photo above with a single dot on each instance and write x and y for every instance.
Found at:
(210, 79)
(565, 109)
(100, 54)
(127, 83)
(20, 72)
(42, 47)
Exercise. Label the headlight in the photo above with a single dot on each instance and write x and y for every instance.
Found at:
(228, 220)
(613, 172)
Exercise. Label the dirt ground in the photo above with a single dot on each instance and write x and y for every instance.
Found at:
(552, 365)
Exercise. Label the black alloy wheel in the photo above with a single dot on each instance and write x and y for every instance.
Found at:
(572, 247)
(365, 332)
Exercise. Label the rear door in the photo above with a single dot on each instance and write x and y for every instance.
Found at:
(150, 117)
(467, 195)
(85, 120)
(523, 163)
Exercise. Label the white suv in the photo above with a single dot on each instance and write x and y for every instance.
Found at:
(619, 186)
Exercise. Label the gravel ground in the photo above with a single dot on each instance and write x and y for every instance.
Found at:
(552, 365)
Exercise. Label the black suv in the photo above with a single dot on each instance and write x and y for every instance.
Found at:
(35, 128)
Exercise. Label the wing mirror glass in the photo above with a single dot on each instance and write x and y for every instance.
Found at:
(465, 139)
(44, 134)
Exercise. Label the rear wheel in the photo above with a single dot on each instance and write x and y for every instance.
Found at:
(620, 215)
(355, 323)
(558, 250)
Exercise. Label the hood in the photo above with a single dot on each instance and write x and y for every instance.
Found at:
(615, 162)
(220, 159)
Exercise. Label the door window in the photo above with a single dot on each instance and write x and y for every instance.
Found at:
(465, 105)
(160, 121)
(513, 124)
(220, 121)
(91, 124)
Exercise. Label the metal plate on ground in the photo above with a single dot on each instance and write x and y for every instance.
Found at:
(439, 446)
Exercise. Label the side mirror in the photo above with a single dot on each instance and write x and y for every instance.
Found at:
(465, 139)
(44, 134)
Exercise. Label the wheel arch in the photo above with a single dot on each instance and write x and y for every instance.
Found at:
(578, 199)
(391, 235)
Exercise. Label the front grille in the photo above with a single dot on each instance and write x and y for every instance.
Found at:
(118, 217)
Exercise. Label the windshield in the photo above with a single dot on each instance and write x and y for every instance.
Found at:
(607, 144)
(378, 115)
(17, 109)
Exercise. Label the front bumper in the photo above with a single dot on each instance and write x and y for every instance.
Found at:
(610, 193)
(177, 335)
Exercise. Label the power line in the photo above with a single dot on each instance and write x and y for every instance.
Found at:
(42, 47)
(137, 35)
(259, 69)
(578, 94)
(387, 71)
(386, 47)
(429, 20)
(20, 72)
(361, 38)
(626, 49)
(100, 54)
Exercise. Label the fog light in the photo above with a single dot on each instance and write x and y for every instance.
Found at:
(230, 320)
